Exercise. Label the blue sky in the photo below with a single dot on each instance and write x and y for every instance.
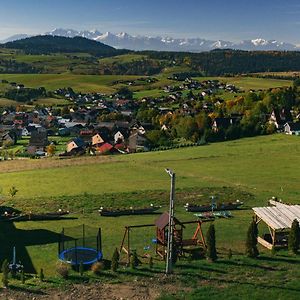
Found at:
(215, 19)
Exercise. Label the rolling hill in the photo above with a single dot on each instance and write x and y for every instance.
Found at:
(58, 44)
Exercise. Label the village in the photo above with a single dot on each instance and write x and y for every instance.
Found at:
(189, 112)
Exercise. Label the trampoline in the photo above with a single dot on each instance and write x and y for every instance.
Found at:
(80, 244)
(77, 255)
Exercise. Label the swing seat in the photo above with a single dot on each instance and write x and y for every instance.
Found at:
(190, 242)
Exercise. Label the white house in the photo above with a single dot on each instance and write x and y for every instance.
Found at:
(292, 128)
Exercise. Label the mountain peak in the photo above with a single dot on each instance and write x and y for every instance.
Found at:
(166, 43)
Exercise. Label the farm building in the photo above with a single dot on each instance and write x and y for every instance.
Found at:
(278, 218)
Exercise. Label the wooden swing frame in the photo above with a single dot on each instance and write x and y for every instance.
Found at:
(197, 240)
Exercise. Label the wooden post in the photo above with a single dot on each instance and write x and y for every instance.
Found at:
(128, 245)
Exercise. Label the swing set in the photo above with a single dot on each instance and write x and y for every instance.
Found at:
(182, 246)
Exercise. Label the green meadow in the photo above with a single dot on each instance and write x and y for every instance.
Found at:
(250, 169)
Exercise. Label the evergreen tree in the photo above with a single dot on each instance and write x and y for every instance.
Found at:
(41, 275)
(229, 255)
(211, 251)
(151, 262)
(134, 260)
(115, 260)
(23, 276)
(294, 237)
(251, 242)
(5, 272)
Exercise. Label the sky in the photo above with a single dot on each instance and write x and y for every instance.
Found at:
(232, 20)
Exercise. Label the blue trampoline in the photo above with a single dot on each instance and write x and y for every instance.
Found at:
(76, 255)
(80, 244)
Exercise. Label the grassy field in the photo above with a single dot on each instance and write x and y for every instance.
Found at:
(247, 83)
(252, 170)
(228, 164)
(80, 83)
(105, 83)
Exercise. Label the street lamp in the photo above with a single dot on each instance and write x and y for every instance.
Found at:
(171, 223)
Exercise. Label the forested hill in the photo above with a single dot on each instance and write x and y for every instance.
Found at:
(45, 44)
(213, 63)
(222, 62)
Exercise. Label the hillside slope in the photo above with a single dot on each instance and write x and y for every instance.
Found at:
(56, 44)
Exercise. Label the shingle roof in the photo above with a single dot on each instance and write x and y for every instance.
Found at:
(280, 216)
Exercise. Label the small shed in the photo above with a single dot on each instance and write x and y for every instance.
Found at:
(278, 218)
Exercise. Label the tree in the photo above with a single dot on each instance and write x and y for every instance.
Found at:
(294, 237)
(41, 275)
(23, 276)
(51, 150)
(5, 271)
(134, 260)
(125, 93)
(115, 260)
(151, 262)
(251, 242)
(211, 251)
(13, 191)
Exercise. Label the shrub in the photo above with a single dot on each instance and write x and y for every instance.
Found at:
(41, 275)
(62, 269)
(81, 268)
(251, 242)
(211, 251)
(97, 267)
(5, 272)
(134, 260)
(115, 260)
(151, 262)
(23, 278)
(229, 255)
(294, 237)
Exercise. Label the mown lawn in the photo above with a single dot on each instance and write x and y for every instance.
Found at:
(252, 170)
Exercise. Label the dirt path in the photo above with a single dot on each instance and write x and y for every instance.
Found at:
(18, 165)
(141, 290)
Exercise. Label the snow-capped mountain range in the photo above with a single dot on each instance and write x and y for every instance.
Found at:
(126, 41)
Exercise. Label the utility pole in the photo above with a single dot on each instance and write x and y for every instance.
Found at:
(171, 223)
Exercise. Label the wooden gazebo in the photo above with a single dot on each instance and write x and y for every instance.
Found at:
(278, 218)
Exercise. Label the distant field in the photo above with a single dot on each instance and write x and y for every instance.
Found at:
(247, 83)
(125, 58)
(7, 102)
(104, 83)
(80, 83)
(51, 101)
(283, 74)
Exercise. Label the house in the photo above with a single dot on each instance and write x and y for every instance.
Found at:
(86, 134)
(97, 140)
(38, 141)
(7, 139)
(106, 148)
(75, 145)
(222, 123)
(292, 128)
(25, 132)
(119, 137)
(280, 117)
(137, 142)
